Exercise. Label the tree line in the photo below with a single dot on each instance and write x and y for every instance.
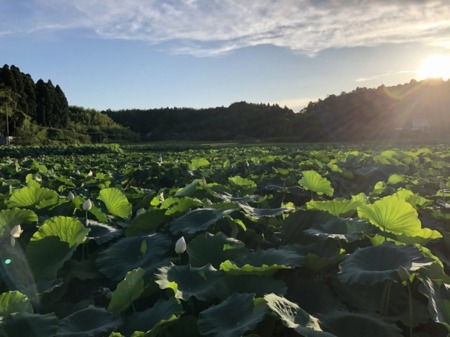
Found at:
(411, 111)
(39, 113)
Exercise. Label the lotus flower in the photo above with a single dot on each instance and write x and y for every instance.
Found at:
(180, 246)
(70, 196)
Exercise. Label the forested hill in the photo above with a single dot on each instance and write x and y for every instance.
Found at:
(416, 110)
(39, 113)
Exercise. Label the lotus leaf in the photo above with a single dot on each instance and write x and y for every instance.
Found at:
(116, 202)
(295, 317)
(127, 291)
(162, 312)
(14, 301)
(349, 230)
(16, 216)
(314, 182)
(91, 321)
(392, 214)
(233, 317)
(33, 197)
(196, 220)
(337, 207)
(187, 281)
(343, 323)
(219, 247)
(376, 264)
(126, 254)
(28, 324)
(147, 222)
(438, 300)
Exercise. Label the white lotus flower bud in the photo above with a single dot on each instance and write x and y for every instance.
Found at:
(180, 246)
(87, 205)
(16, 231)
(90, 173)
(140, 211)
(70, 196)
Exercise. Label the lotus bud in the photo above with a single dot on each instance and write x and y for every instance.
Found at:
(90, 173)
(140, 211)
(403, 273)
(16, 231)
(70, 196)
(180, 246)
(87, 205)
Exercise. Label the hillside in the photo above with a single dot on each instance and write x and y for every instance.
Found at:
(416, 110)
(39, 113)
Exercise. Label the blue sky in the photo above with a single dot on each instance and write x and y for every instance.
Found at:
(206, 53)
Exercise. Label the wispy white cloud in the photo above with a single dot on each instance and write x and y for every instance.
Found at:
(385, 75)
(214, 27)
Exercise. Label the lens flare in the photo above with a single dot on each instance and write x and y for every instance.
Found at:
(436, 66)
(8, 261)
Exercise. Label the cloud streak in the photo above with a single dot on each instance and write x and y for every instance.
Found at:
(215, 27)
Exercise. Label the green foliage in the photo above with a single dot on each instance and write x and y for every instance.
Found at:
(263, 258)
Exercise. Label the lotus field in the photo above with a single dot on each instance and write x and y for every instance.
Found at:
(228, 241)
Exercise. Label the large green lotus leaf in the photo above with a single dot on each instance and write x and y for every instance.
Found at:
(244, 185)
(257, 213)
(180, 206)
(116, 202)
(395, 179)
(16, 216)
(343, 323)
(147, 222)
(346, 229)
(162, 311)
(128, 290)
(67, 229)
(337, 207)
(14, 301)
(260, 285)
(320, 253)
(233, 317)
(219, 247)
(33, 197)
(392, 214)
(294, 317)
(187, 281)
(196, 220)
(189, 189)
(314, 182)
(101, 232)
(376, 264)
(27, 324)
(128, 253)
(438, 300)
(52, 245)
(196, 163)
(91, 321)
(425, 236)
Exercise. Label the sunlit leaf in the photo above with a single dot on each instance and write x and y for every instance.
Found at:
(14, 301)
(33, 197)
(392, 214)
(116, 202)
(127, 291)
(187, 281)
(314, 182)
(294, 317)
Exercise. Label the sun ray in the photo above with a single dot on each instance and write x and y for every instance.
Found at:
(435, 66)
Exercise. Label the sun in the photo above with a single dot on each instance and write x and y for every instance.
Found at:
(436, 66)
